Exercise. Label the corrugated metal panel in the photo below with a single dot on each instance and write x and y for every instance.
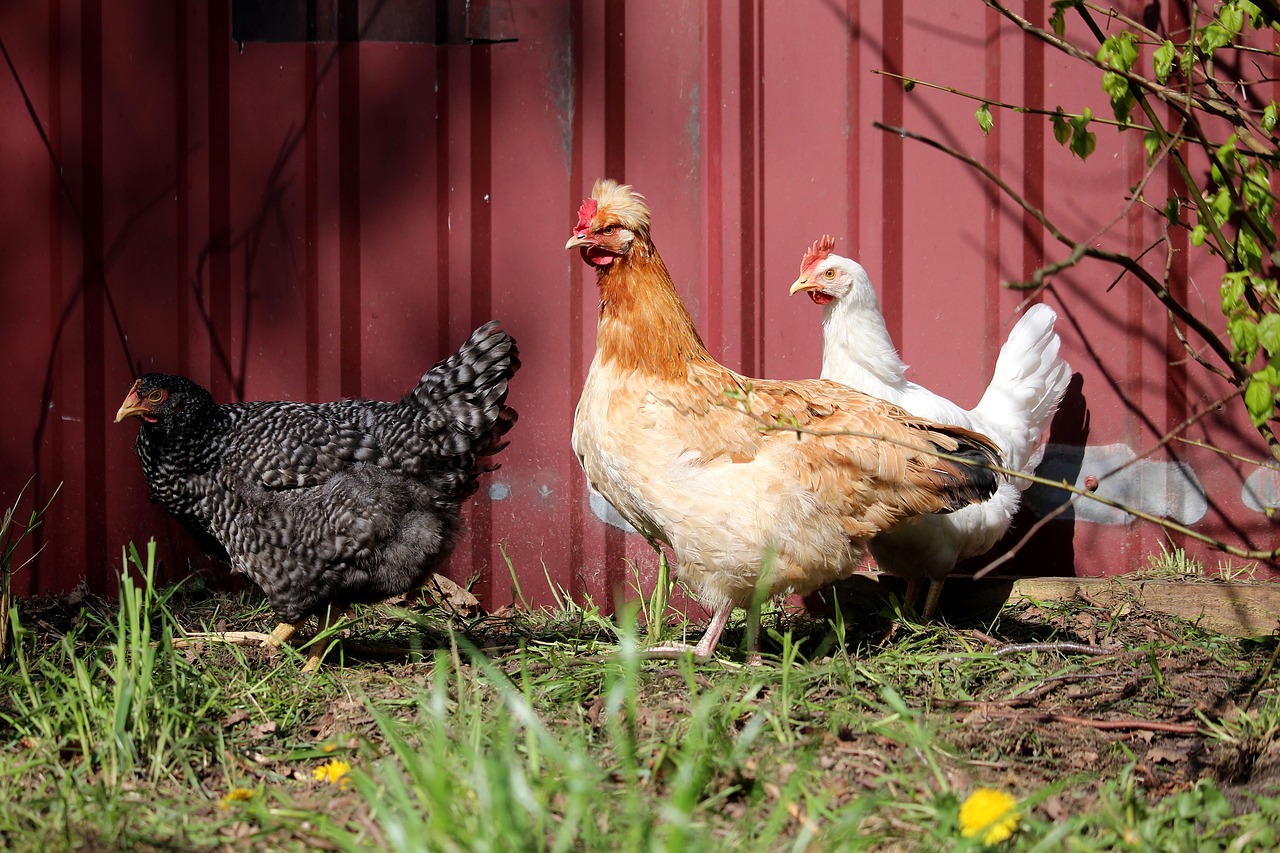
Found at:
(312, 221)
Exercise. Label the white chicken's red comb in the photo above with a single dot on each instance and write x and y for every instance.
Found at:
(818, 251)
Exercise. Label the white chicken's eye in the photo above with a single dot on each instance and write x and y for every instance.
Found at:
(829, 274)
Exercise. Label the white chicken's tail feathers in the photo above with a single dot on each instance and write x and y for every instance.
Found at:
(1029, 381)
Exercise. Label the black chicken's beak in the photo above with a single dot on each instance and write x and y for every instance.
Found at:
(132, 407)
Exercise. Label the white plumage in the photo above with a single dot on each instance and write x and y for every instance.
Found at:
(1029, 381)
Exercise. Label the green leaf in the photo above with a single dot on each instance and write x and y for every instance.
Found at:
(1083, 144)
(1213, 37)
(1119, 51)
(1163, 60)
(1244, 338)
(1233, 285)
(1231, 18)
(1057, 20)
(1248, 253)
(1259, 399)
(908, 85)
(1221, 206)
(1269, 334)
(1061, 127)
(983, 115)
(1198, 234)
(1172, 208)
(1083, 141)
(1151, 142)
(1269, 117)
(1117, 87)
(1257, 191)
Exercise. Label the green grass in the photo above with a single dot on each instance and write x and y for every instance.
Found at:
(549, 731)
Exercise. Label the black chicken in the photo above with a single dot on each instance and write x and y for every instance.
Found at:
(328, 504)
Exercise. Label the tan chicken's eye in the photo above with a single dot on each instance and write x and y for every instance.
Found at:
(829, 274)
(155, 396)
(608, 229)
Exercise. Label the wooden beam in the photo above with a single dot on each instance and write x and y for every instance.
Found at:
(1234, 608)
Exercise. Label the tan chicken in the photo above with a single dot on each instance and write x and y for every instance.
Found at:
(727, 470)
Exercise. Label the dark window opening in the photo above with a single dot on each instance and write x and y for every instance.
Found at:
(408, 21)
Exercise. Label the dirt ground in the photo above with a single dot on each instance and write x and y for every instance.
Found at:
(1103, 688)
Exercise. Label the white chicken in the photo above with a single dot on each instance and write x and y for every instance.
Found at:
(1029, 381)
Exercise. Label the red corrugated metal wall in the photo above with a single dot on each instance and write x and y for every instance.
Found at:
(313, 221)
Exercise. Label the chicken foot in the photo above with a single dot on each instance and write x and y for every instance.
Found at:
(931, 597)
(277, 638)
(706, 646)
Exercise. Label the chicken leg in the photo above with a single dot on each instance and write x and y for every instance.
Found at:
(277, 638)
(706, 646)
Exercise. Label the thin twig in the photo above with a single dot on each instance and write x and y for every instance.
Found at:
(1103, 725)
(1076, 648)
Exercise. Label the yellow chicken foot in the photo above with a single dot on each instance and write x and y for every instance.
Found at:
(912, 594)
(706, 646)
(931, 601)
(274, 640)
(331, 616)
(239, 638)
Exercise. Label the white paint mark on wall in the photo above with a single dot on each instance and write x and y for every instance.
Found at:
(604, 511)
(1262, 490)
(1167, 489)
(499, 491)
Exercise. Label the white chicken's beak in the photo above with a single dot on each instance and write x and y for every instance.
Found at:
(802, 284)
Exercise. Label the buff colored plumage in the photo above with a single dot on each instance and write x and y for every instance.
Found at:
(674, 440)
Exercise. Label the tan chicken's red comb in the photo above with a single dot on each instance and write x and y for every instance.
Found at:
(818, 251)
(586, 212)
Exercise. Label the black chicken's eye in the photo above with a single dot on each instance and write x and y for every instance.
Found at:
(155, 396)
(831, 273)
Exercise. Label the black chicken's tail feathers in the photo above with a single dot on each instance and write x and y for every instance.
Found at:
(462, 400)
(969, 476)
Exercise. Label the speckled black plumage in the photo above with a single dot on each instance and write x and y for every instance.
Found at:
(320, 503)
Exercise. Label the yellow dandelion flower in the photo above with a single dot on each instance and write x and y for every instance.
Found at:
(335, 773)
(236, 795)
(991, 813)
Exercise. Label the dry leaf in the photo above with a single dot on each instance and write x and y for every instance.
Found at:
(261, 730)
(235, 718)
(1166, 755)
(452, 596)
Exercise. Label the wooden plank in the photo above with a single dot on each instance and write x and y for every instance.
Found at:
(1234, 608)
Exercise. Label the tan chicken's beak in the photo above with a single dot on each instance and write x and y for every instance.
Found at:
(132, 407)
(577, 241)
(803, 284)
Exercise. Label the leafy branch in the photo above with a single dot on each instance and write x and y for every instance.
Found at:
(1224, 207)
